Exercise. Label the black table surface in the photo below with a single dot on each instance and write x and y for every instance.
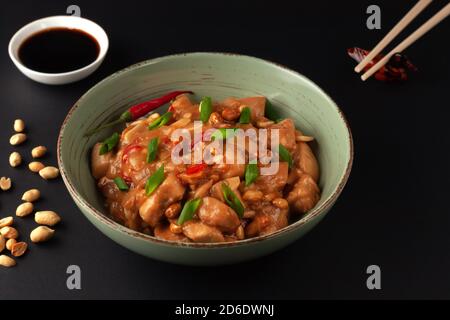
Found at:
(393, 213)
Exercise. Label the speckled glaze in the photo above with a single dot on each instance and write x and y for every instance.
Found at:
(218, 75)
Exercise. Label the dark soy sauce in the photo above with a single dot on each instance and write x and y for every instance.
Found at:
(57, 50)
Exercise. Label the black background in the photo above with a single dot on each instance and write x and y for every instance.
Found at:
(393, 212)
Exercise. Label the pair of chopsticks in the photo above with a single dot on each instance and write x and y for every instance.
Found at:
(427, 26)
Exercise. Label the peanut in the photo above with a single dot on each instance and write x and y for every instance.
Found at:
(240, 233)
(2, 242)
(301, 138)
(36, 166)
(17, 139)
(15, 159)
(24, 209)
(174, 228)
(173, 211)
(19, 125)
(230, 114)
(31, 195)
(264, 123)
(41, 234)
(38, 152)
(9, 232)
(19, 248)
(6, 222)
(49, 173)
(280, 203)
(5, 183)
(49, 218)
(6, 261)
(10, 243)
(253, 195)
(215, 118)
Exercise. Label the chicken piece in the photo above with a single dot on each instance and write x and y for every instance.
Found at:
(273, 183)
(169, 192)
(268, 220)
(197, 231)
(162, 231)
(216, 189)
(257, 105)
(217, 214)
(305, 194)
(306, 161)
(183, 107)
(286, 130)
(201, 191)
(99, 163)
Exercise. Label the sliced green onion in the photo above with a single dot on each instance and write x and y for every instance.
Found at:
(270, 112)
(223, 134)
(251, 173)
(188, 210)
(232, 200)
(109, 144)
(121, 184)
(154, 181)
(152, 149)
(164, 119)
(205, 109)
(245, 115)
(285, 155)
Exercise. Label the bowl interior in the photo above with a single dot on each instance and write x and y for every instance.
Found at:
(70, 22)
(218, 76)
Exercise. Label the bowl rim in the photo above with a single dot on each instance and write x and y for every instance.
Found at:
(104, 219)
(104, 47)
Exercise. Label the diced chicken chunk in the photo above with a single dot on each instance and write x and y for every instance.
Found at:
(197, 231)
(99, 163)
(217, 214)
(305, 194)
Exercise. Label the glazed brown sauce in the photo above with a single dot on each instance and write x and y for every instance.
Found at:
(57, 50)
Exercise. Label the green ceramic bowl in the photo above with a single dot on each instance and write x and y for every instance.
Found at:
(220, 76)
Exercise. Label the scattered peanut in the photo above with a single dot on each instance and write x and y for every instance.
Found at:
(2, 242)
(215, 118)
(38, 152)
(31, 195)
(249, 214)
(301, 138)
(270, 196)
(17, 139)
(41, 234)
(154, 116)
(49, 173)
(15, 159)
(9, 232)
(24, 209)
(36, 166)
(19, 248)
(10, 243)
(280, 203)
(19, 125)
(49, 218)
(253, 195)
(174, 228)
(6, 222)
(173, 211)
(5, 183)
(6, 261)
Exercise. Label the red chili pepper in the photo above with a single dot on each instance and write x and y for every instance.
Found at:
(128, 149)
(141, 109)
(195, 168)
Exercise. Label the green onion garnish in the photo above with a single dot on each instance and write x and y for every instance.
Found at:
(251, 173)
(222, 134)
(164, 119)
(245, 116)
(121, 184)
(188, 210)
(270, 112)
(285, 155)
(154, 181)
(205, 109)
(152, 149)
(232, 200)
(109, 144)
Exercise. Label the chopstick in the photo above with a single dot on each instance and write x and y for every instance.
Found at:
(402, 24)
(427, 26)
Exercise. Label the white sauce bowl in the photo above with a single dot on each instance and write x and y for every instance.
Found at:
(71, 22)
